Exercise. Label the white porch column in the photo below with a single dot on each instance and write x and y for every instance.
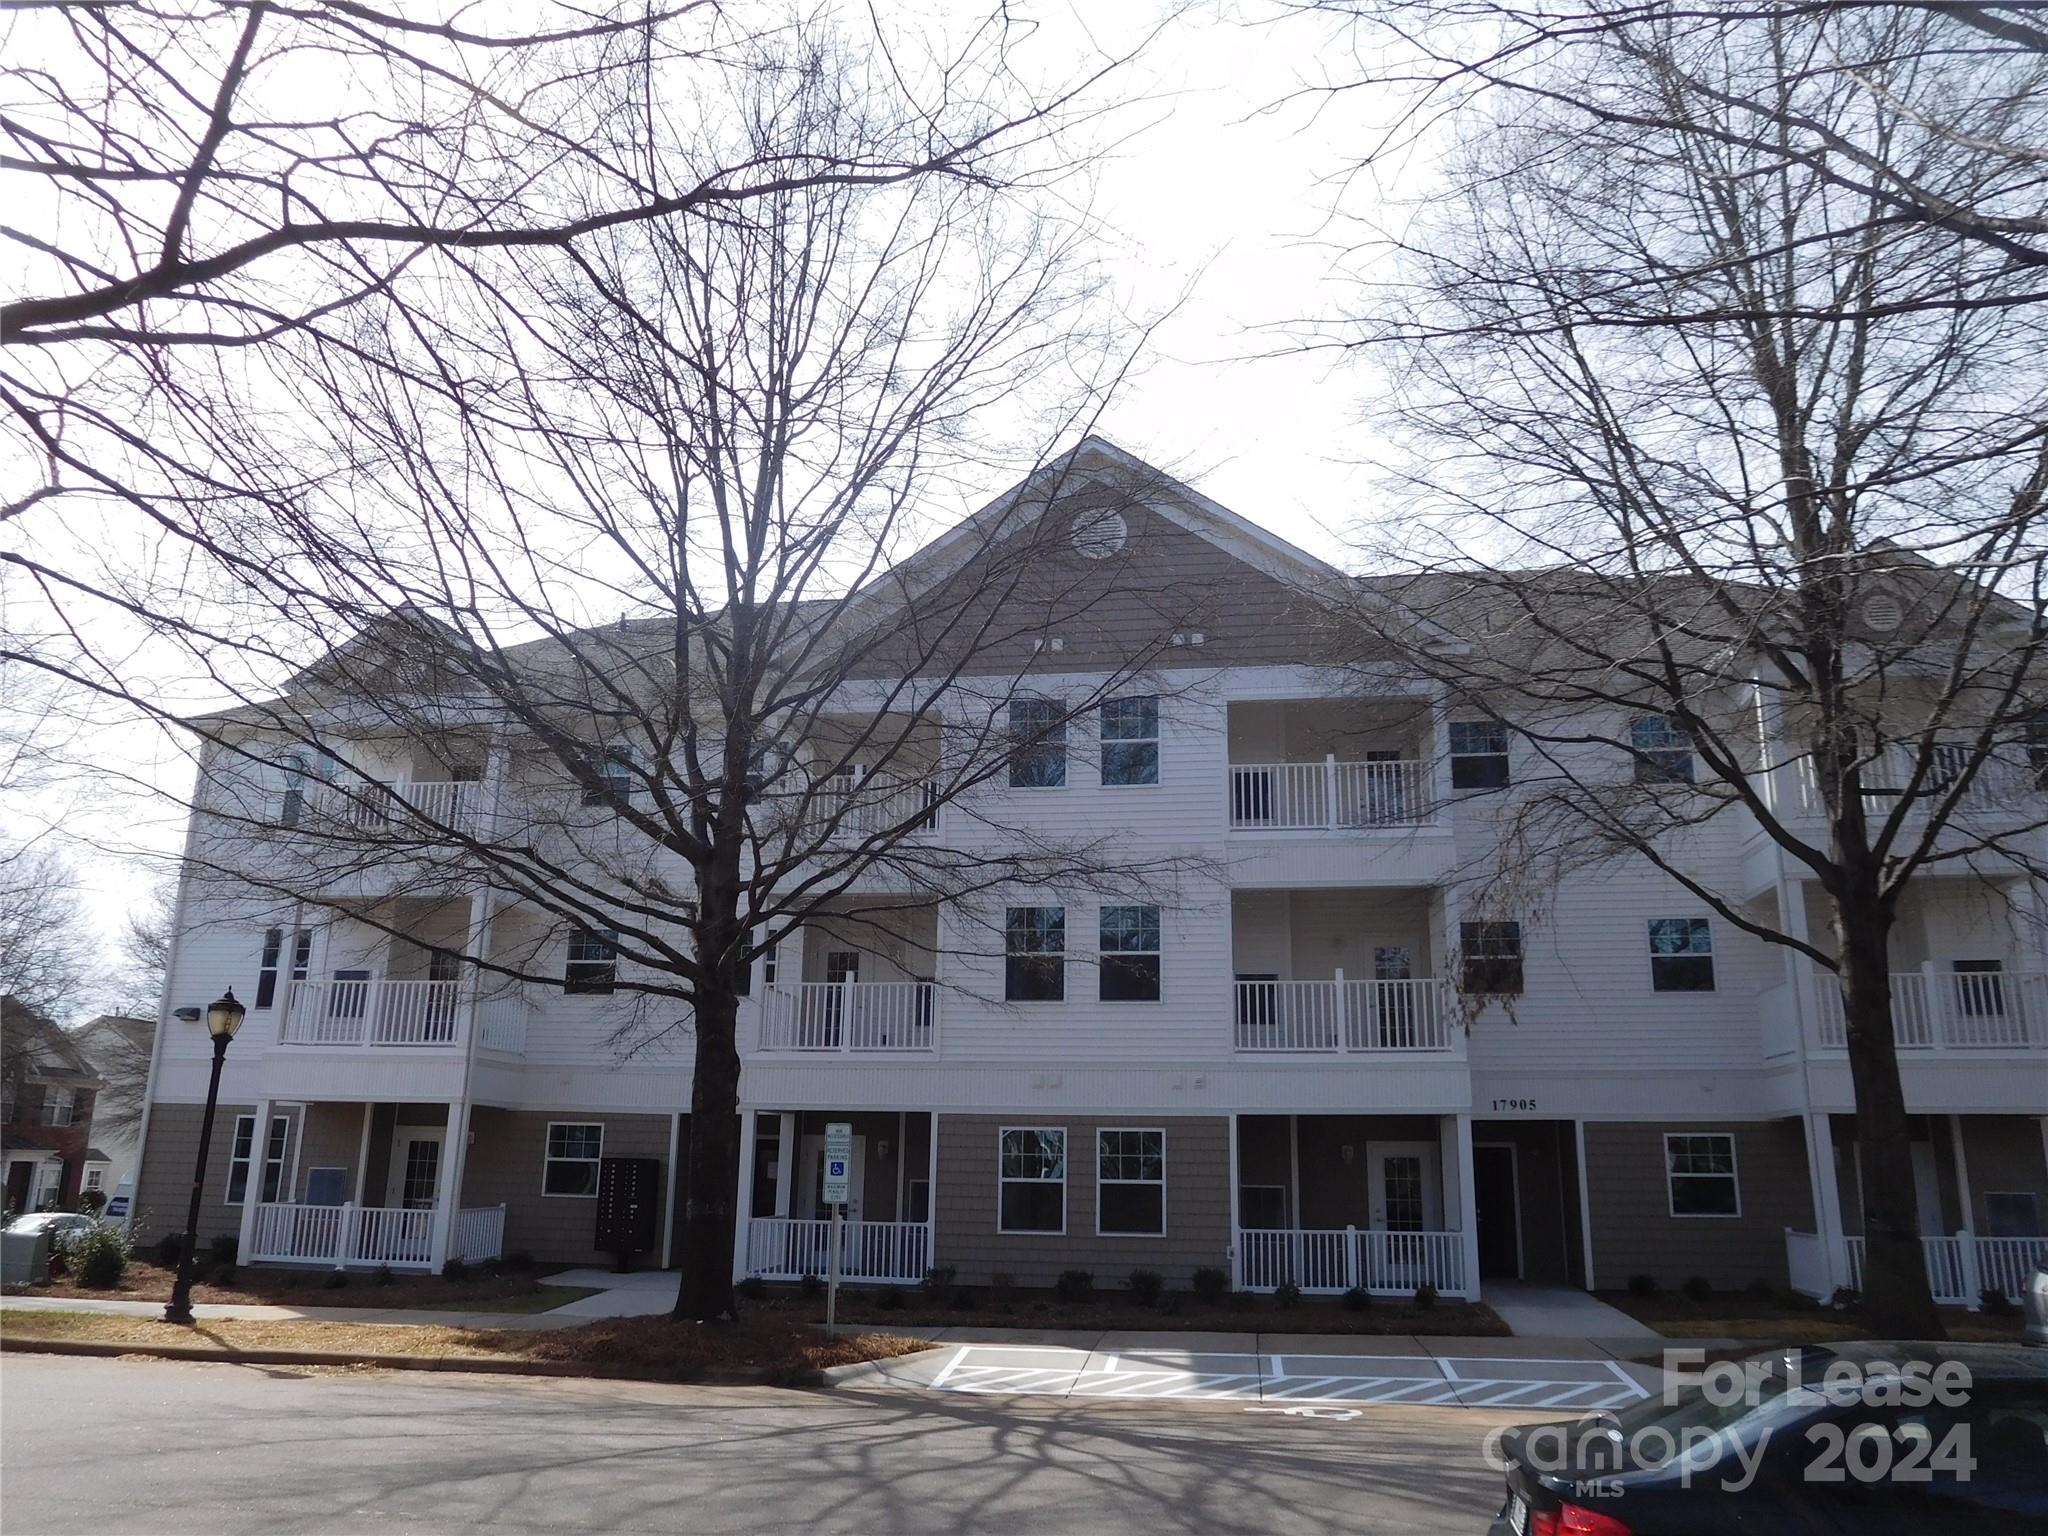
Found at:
(1460, 1126)
(1440, 757)
(448, 1196)
(1827, 1202)
(785, 1164)
(1964, 1203)
(259, 1160)
(1585, 1202)
(1236, 1215)
(668, 1204)
(743, 1203)
(363, 1152)
(931, 1193)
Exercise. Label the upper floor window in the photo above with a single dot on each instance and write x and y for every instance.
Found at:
(293, 806)
(1681, 954)
(1479, 754)
(1038, 744)
(1699, 1173)
(1663, 750)
(1035, 955)
(593, 964)
(2037, 748)
(1130, 741)
(273, 953)
(1492, 957)
(614, 781)
(1129, 955)
(60, 1105)
(10, 1098)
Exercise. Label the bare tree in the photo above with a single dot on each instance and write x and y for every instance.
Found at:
(1727, 512)
(46, 948)
(622, 545)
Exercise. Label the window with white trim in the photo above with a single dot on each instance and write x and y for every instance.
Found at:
(1038, 744)
(1479, 754)
(593, 963)
(60, 1105)
(1663, 750)
(1681, 954)
(1699, 1171)
(573, 1151)
(1127, 960)
(242, 1149)
(1031, 1179)
(95, 1177)
(1491, 956)
(1130, 741)
(611, 782)
(1035, 954)
(1130, 1183)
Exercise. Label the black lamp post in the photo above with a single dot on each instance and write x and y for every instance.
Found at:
(222, 1020)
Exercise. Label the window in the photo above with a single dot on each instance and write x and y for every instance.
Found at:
(60, 1105)
(266, 967)
(1130, 741)
(1492, 954)
(1130, 1195)
(1681, 954)
(1700, 1172)
(1031, 1179)
(1663, 750)
(2037, 749)
(1129, 955)
(1035, 963)
(573, 1152)
(10, 1099)
(1262, 1207)
(273, 1158)
(293, 804)
(95, 1177)
(1479, 754)
(614, 783)
(593, 964)
(1038, 744)
(768, 966)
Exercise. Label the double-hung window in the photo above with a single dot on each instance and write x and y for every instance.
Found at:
(613, 781)
(1130, 741)
(2037, 748)
(1479, 754)
(242, 1151)
(1663, 750)
(1492, 957)
(593, 964)
(1035, 958)
(1681, 954)
(573, 1151)
(1130, 1193)
(273, 953)
(1038, 744)
(1699, 1171)
(1129, 956)
(60, 1105)
(1031, 1179)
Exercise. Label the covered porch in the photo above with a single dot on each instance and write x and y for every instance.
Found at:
(886, 1231)
(1332, 1203)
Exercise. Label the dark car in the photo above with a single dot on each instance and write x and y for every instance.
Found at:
(1864, 1438)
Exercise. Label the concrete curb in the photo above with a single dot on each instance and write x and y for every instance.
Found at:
(865, 1370)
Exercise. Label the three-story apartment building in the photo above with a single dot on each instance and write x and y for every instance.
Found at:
(1313, 1056)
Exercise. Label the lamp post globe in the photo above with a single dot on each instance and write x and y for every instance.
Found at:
(223, 1017)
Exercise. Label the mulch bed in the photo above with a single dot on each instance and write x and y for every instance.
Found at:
(914, 1307)
(1737, 1315)
(293, 1288)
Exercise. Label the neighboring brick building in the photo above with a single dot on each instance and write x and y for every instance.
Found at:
(47, 1093)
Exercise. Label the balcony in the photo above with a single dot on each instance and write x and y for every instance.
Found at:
(852, 811)
(396, 1237)
(1412, 1017)
(405, 1014)
(845, 1016)
(1937, 1010)
(405, 803)
(1331, 795)
(1959, 1268)
(1330, 1262)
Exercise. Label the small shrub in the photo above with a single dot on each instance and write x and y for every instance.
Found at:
(455, 1271)
(1358, 1299)
(1797, 1301)
(810, 1287)
(1991, 1301)
(519, 1261)
(1425, 1298)
(98, 1257)
(1173, 1304)
(962, 1300)
(1697, 1288)
(1002, 1286)
(1210, 1285)
(382, 1275)
(1846, 1299)
(939, 1278)
(219, 1274)
(226, 1247)
(892, 1298)
(1759, 1289)
(1146, 1286)
(92, 1201)
(753, 1288)
(1074, 1286)
(337, 1280)
(1287, 1296)
(1241, 1301)
(289, 1280)
(169, 1249)
(1642, 1286)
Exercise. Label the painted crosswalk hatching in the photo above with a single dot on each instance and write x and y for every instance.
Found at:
(1195, 1376)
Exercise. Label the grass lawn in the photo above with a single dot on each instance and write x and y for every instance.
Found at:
(1736, 1315)
(762, 1347)
(508, 1292)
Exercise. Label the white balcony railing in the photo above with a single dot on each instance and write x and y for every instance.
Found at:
(1301, 797)
(865, 809)
(1331, 1261)
(1934, 1009)
(1960, 1268)
(418, 803)
(373, 1012)
(1340, 1015)
(501, 1025)
(851, 1016)
(873, 1252)
(2002, 782)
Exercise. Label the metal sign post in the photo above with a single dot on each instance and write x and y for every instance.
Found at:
(838, 1181)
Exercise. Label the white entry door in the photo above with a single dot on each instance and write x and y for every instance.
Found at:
(812, 1180)
(415, 1176)
(1403, 1186)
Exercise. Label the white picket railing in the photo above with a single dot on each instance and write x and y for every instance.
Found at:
(872, 1252)
(1959, 1268)
(501, 1025)
(1327, 1016)
(394, 1236)
(479, 1234)
(414, 804)
(867, 808)
(1935, 1009)
(1331, 1261)
(372, 1012)
(851, 1016)
(1294, 797)
(2004, 780)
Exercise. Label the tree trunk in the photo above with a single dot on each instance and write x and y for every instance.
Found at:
(714, 1161)
(1897, 1302)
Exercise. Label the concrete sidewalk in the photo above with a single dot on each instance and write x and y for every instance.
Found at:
(1560, 1312)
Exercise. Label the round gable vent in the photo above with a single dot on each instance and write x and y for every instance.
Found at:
(1098, 535)
(1883, 613)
